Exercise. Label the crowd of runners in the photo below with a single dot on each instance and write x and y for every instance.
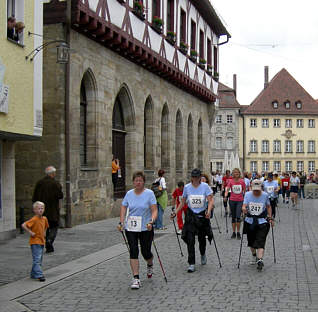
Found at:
(248, 198)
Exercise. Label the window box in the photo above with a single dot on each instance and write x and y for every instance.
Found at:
(209, 70)
(216, 76)
(157, 24)
(138, 10)
(171, 37)
(183, 48)
(202, 63)
(193, 55)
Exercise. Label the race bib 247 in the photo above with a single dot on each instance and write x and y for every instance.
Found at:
(255, 209)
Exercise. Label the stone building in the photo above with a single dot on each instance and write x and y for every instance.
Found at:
(135, 91)
(226, 129)
(20, 99)
(280, 132)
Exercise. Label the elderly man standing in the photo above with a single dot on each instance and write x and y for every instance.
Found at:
(49, 191)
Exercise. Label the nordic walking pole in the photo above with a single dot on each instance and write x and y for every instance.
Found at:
(175, 228)
(239, 262)
(163, 271)
(273, 245)
(217, 223)
(216, 249)
(227, 228)
(124, 237)
(277, 213)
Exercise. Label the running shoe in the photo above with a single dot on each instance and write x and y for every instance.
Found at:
(233, 235)
(203, 259)
(179, 232)
(135, 284)
(191, 268)
(149, 271)
(253, 260)
(238, 235)
(260, 264)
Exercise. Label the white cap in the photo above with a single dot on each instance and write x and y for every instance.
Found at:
(256, 185)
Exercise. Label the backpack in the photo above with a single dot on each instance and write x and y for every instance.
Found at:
(156, 189)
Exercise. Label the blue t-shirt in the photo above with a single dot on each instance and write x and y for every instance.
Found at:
(247, 182)
(196, 196)
(270, 188)
(256, 206)
(140, 206)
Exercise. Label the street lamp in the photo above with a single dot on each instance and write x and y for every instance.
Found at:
(62, 49)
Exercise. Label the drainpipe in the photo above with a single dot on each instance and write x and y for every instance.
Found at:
(244, 166)
(226, 41)
(68, 220)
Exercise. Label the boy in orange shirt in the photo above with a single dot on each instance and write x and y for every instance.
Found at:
(37, 227)
(176, 199)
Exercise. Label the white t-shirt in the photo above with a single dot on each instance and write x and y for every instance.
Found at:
(162, 182)
(294, 181)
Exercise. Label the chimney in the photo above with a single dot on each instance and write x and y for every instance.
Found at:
(234, 84)
(265, 77)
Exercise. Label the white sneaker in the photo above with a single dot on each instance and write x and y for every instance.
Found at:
(179, 232)
(149, 271)
(191, 268)
(253, 260)
(135, 284)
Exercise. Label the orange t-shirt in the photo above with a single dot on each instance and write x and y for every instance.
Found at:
(115, 167)
(38, 226)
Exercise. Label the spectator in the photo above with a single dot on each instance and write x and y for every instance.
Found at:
(302, 178)
(115, 168)
(162, 201)
(49, 191)
(19, 27)
(10, 27)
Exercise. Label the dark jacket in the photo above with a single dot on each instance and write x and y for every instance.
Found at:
(49, 191)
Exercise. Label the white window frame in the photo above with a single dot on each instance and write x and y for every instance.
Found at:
(311, 123)
(229, 119)
(16, 8)
(219, 165)
(218, 142)
(253, 166)
(300, 166)
(288, 146)
(288, 123)
(277, 166)
(253, 146)
(298, 105)
(311, 146)
(275, 104)
(265, 146)
(300, 146)
(265, 123)
(311, 166)
(277, 146)
(229, 139)
(287, 105)
(300, 123)
(253, 123)
(276, 123)
(265, 165)
(218, 119)
(288, 166)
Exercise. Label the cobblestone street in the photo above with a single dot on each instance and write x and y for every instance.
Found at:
(289, 285)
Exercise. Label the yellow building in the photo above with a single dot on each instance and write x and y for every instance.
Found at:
(20, 96)
(280, 128)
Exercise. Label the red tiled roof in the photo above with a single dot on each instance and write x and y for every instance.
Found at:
(227, 97)
(283, 87)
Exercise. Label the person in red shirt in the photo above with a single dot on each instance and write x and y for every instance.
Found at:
(176, 199)
(286, 187)
(237, 187)
(225, 180)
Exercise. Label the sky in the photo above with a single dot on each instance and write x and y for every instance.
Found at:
(276, 33)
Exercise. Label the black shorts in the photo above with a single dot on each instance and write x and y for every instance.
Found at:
(294, 189)
(145, 238)
(257, 237)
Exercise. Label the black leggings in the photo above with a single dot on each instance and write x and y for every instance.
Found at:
(145, 238)
(191, 244)
(236, 210)
(285, 192)
(273, 203)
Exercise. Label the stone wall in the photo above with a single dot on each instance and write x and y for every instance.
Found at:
(109, 76)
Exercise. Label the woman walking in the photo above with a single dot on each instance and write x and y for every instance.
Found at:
(137, 216)
(162, 200)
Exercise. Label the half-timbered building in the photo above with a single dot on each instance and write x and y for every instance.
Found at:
(143, 82)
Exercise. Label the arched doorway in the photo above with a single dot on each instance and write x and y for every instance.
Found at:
(200, 145)
(165, 146)
(179, 145)
(123, 124)
(190, 144)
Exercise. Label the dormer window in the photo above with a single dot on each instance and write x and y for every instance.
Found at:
(287, 104)
(298, 105)
(275, 104)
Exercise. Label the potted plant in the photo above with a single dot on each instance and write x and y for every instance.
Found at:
(202, 63)
(183, 48)
(193, 55)
(209, 70)
(216, 76)
(138, 9)
(157, 24)
(171, 37)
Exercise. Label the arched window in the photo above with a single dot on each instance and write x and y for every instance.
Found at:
(190, 144)
(179, 142)
(200, 145)
(87, 129)
(148, 134)
(165, 152)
